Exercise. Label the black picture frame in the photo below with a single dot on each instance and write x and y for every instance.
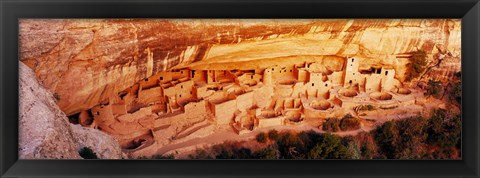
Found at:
(11, 11)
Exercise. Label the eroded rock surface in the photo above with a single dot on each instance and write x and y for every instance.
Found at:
(105, 146)
(44, 130)
(86, 61)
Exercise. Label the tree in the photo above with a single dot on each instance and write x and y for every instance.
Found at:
(288, 145)
(353, 148)
(329, 148)
(87, 153)
(366, 144)
(315, 152)
(443, 130)
(412, 138)
(435, 127)
(387, 139)
(444, 135)
(416, 65)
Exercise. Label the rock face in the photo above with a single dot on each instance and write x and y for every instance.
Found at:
(44, 130)
(105, 146)
(85, 61)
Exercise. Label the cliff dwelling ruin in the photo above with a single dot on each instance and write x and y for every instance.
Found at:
(182, 104)
(159, 86)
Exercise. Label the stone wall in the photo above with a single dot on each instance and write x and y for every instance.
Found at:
(224, 112)
(270, 122)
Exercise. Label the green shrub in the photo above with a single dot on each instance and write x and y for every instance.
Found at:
(273, 134)
(261, 137)
(368, 107)
(349, 123)
(331, 125)
(416, 65)
(87, 153)
(434, 88)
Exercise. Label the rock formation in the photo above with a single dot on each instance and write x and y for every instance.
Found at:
(84, 62)
(44, 130)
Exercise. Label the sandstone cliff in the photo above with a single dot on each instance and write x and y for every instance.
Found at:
(85, 61)
(44, 130)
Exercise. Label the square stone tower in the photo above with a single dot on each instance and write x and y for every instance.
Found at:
(352, 76)
(388, 79)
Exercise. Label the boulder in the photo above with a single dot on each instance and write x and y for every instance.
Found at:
(44, 130)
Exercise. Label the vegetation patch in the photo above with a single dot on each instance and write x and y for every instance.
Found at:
(261, 137)
(434, 88)
(160, 156)
(87, 153)
(273, 134)
(368, 107)
(331, 125)
(457, 92)
(347, 123)
(437, 137)
(416, 65)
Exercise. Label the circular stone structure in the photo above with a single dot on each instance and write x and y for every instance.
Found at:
(269, 114)
(320, 104)
(347, 92)
(404, 91)
(287, 82)
(381, 96)
(294, 116)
